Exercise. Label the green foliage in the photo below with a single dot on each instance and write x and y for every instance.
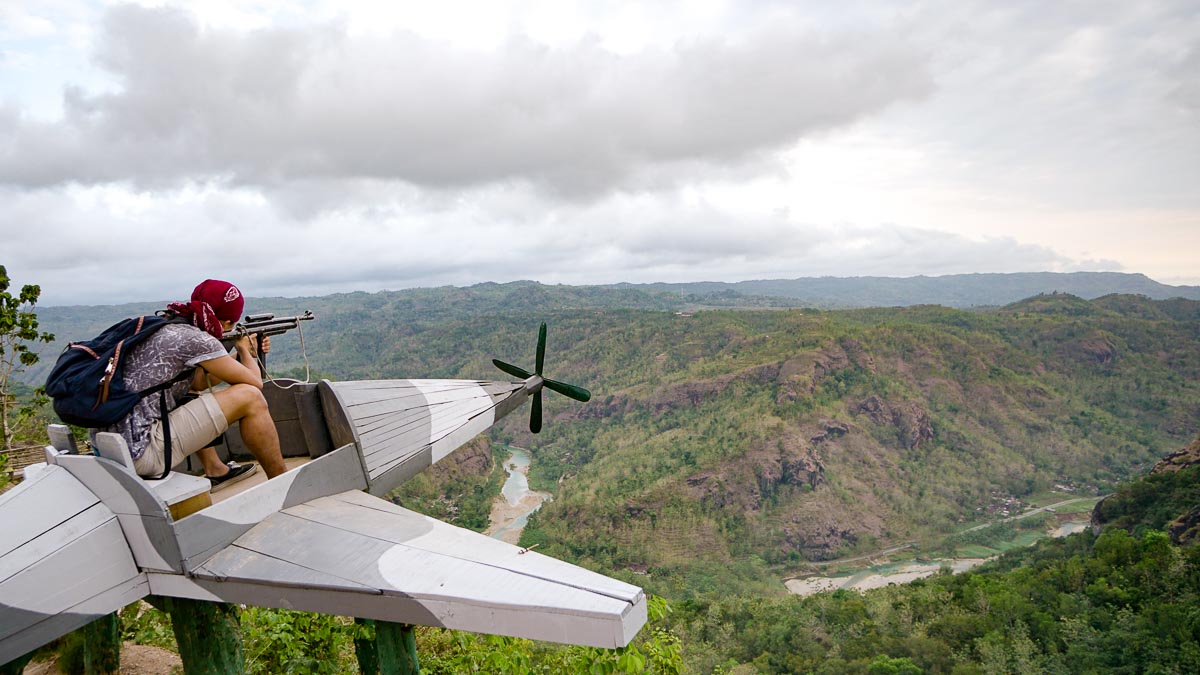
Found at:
(18, 330)
(1152, 502)
(1080, 604)
(462, 498)
(656, 650)
(147, 625)
(284, 641)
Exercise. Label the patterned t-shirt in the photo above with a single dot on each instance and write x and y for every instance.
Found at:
(162, 357)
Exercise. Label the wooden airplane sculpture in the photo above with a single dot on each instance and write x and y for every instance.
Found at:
(83, 535)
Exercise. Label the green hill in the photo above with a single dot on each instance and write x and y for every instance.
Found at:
(725, 447)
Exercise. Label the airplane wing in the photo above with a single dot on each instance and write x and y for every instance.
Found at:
(64, 561)
(359, 555)
(85, 536)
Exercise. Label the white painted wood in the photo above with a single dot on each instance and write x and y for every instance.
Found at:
(478, 424)
(38, 633)
(96, 561)
(62, 439)
(325, 555)
(112, 446)
(152, 542)
(180, 586)
(49, 542)
(35, 506)
(203, 533)
(33, 470)
(382, 519)
(605, 631)
(178, 486)
(120, 488)
(143, 516)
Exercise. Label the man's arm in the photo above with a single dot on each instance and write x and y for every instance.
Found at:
(242, 370)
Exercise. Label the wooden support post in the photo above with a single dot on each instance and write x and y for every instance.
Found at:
(394, 651)
(102, 646)
(209, 636)
(364, 649)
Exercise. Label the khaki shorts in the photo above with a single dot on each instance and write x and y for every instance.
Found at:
(194, 426)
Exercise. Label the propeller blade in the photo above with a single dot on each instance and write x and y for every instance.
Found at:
(511, 369)
(569, 390)
(535, 413)
(541, 350)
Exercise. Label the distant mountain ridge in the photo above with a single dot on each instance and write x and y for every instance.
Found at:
(955, 290)
(343, 315)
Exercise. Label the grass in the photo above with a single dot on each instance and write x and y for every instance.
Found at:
(1079, 507)
(1050, 497)
(976, 551)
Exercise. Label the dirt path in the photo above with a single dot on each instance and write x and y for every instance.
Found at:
(135, 660)
(900, 547)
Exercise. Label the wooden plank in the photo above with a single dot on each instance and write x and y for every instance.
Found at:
(478, 424)
(341, 429)
(367, 412)
(468, 594)
(441, 550)
(312, 422)
(112, 446)
(239, 563)
(608, 627)
(40, 629)
(143, 516)
(382, 452)
(43, 501)
(384, 520)
(152, 541)
(98, 560)
(178, 486)
(49, 542)
(62, 439)
(369, 429)
(326, 551)
(389, 477)
(117, 486)
(378, 432)
(202, 534)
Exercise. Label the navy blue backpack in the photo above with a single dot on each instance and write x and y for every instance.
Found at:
(87, 382)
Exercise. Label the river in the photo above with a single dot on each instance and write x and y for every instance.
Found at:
(511, 510)
(879, 576)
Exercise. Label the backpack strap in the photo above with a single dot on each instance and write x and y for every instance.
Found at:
(161, 389)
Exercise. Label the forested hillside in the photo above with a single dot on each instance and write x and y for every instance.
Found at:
(1121, 599)
(724, 449)
(953, 290)
(720, 448)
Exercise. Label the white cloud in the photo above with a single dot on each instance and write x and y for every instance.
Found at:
(309, 147)
(270, 106)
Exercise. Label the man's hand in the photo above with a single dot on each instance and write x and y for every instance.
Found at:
(246, 347)
(250, 342)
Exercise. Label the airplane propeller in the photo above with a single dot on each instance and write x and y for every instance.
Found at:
(568, 390)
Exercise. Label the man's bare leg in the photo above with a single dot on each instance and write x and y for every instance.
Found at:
(211, 461)
(245, 403)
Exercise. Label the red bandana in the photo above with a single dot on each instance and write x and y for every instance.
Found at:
(211, 302)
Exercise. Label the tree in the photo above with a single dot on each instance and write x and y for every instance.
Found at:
(18, 329)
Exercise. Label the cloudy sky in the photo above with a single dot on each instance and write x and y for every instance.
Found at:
(306, 148)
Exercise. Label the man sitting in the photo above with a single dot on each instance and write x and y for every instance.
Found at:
(194, 425)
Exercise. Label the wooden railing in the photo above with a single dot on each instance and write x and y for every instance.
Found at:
(21, 457)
